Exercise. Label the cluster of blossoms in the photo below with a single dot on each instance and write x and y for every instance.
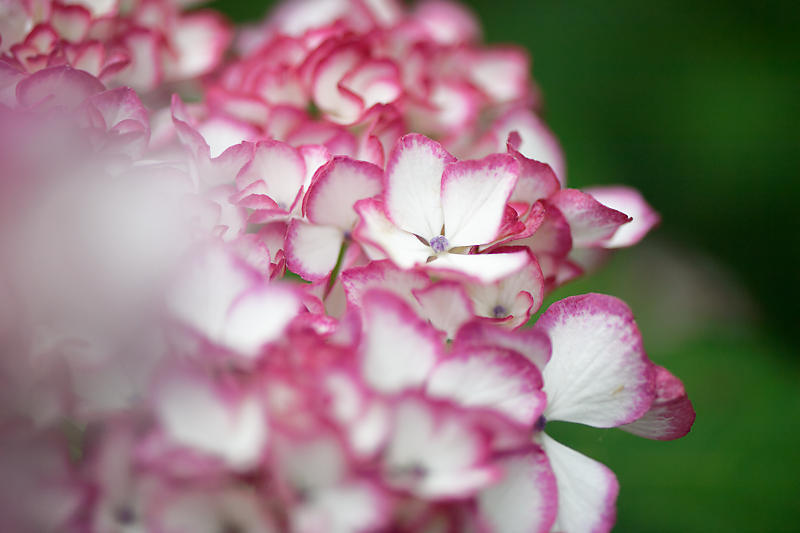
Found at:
(164, 369)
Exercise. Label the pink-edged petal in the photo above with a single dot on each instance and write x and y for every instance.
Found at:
(259, 317)
(339, 103)
(536, 180)
(375, 229)
(485, 268)
(552, 236)
(446, 305)
(120, 107)
(413, 193)
(315, 156)
(532, 343)
(598, 373)
(144, 46)
(279, 170)
(526, 498)
(196, 413)
(501, 73)
(197, 41)
(376, 81)
(474, 196)
(399, 348)
(57, 86)
(447, 23)
(222, 300)
(670, 416)
(516, 295)
(71, 21)
(632, 203)
(590, 222)
(494, 378)
(380, 275)
(312, 251)
(536, 140)
(337, 187)
(435, 453)
(222, 133)
(587, 490)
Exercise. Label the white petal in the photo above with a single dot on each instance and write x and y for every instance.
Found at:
(445, 305)
(474, 196)
(493, 378)
(414, 185)
(632, 203)
(312, 251)
(435, 453)
(587, 490)
(279, 167)
(258, 317)
(400, 349)
(195, 415)
(598, 373)
(403, 248)
(486, 268)
(381, 275)
(337, 187)
(525, 500)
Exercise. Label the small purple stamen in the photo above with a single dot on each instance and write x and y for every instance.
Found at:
(499, 311)
(439, 244)
(540, 423)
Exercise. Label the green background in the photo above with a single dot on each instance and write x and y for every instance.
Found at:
(695, 104)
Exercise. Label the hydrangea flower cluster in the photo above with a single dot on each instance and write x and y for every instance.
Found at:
(164, 369)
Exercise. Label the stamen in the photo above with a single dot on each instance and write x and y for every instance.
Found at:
(439, 244)
(540, 424)
(499, 311)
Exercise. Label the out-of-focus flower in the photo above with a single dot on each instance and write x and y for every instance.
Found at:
(163, 369)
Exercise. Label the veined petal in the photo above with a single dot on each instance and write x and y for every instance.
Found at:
(494, 378)
(587, 490)
(526, 498)
(598, 373)
(413, 193)
(632, 203)
(590, 222)
(474, 196)
(399, 348)
(312, 251)
(375, 229)
(486, 268)
(337, 187)
(670, 416)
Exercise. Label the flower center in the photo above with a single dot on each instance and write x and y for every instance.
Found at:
(439, 244)
(499, 311)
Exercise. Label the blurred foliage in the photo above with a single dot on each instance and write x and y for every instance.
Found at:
(695, 104)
